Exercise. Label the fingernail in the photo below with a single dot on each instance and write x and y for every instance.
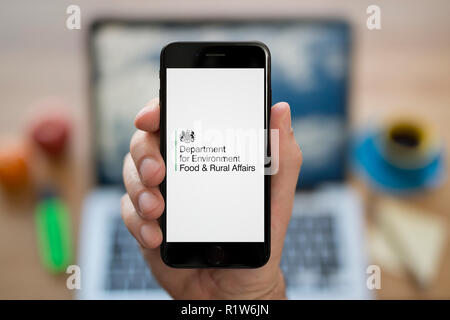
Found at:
(148, 168)
(287, 116)
(283, 108)
(147, 202)
(147, 235)
(144, 110)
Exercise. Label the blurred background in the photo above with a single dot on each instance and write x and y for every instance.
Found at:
(371, 112)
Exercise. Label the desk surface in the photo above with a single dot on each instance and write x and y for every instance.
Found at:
(403, 68)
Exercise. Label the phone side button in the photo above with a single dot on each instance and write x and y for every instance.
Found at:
(215, 255)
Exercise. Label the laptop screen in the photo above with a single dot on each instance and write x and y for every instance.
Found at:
(310, 71)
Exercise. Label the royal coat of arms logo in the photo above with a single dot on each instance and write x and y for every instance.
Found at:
(187, 136)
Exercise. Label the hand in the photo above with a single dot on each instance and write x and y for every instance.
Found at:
(144, 170)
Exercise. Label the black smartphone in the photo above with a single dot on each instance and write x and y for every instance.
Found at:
(215, 100)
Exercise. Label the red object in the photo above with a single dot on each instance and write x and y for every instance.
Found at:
(51, 133)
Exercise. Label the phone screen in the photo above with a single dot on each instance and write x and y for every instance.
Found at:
(215, 154)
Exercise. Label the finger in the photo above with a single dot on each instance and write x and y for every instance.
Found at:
(148, 118)
(147, 233)
(148, 202)
(144, 149)
(284, 182)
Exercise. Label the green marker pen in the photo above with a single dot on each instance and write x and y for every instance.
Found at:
(53, 232)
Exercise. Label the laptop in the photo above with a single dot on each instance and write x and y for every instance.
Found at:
(323, 256)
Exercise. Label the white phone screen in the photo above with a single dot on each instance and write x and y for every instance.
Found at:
(215, 154)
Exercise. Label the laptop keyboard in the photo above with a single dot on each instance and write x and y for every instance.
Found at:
(310, 256)
(127, 269)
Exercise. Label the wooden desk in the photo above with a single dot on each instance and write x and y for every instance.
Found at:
(403, 68)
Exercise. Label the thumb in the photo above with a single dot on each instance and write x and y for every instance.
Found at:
(289, 159)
